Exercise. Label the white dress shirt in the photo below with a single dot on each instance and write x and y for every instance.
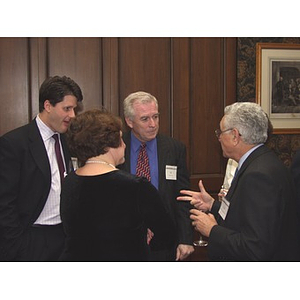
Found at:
(50, 214)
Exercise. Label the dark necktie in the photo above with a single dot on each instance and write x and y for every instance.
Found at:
(142, 167)
(143, 170)
(59, 158)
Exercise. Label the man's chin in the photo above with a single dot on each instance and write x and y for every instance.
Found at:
(150, 138)
(64, 127)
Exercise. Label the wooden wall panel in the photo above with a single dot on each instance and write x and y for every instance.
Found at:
(230, 71)
(192, 78)
(80, 59)
(181, 90)
(38, 70)
(206, 105)
(111, 75)
(144, 64)
(208, 87)
(14, 83)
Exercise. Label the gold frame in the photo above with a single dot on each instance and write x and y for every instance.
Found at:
(283, 123)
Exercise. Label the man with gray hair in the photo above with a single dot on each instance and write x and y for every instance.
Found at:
(256, 221)
(162, 160)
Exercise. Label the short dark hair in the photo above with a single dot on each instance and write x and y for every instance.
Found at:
(92, 132)
(56, 88)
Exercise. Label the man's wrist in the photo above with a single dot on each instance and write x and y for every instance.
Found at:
(211, 203)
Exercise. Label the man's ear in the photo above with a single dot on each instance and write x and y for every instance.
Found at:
(47, 105)
(129, 122)
(236, 135)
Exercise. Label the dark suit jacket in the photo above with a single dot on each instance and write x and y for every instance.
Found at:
(170, 152)
(25, 180)
(295, 169)
(261, 222)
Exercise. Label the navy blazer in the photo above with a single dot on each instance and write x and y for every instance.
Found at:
(25, 181)
(261, 222)
(295, 169)
(170, 152)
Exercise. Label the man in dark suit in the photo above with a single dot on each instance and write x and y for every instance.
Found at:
(256, 221)
(295, 169)
(30, 178)
(168, 170)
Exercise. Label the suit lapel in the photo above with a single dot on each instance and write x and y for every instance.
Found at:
(162, 152)
(38, 151)
(66, 153)
(127, 141)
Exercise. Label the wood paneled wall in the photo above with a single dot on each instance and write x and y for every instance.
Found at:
(192, 78)
(14, 83)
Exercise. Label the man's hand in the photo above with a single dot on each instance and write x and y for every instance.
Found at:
(183, 251)
(200, 200)
(150, 236)
(202, 222)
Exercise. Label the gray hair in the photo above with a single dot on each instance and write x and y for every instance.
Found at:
(249, 119)
(139, 97)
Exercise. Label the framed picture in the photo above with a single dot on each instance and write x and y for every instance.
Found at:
(278, 85)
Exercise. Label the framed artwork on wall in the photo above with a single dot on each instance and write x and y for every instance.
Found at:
(278, 85)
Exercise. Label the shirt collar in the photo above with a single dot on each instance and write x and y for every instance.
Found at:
(45, 131)
(244, 157)
(135, 144)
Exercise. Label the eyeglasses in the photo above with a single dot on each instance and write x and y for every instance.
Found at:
(218, 132)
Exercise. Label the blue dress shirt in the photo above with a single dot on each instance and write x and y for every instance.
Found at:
(151, 148)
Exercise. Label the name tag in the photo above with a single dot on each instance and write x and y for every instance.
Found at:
(224, 208)
(171, 172)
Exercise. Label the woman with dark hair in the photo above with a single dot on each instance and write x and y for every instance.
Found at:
(106, 211)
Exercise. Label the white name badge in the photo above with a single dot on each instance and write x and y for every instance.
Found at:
(171, 172)
(224, 208)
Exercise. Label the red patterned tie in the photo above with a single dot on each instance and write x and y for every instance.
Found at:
(60, 161)
(142, 167)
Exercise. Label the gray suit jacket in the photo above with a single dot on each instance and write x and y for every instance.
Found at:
(261, 222)
(25, 180)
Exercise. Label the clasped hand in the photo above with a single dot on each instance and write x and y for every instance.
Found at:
(202, 202)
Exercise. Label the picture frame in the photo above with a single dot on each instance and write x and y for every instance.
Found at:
(278, 85)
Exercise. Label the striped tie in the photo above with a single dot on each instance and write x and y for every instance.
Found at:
(59, 158)
(142, 167)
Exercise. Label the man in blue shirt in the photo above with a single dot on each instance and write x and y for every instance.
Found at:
(168, 170)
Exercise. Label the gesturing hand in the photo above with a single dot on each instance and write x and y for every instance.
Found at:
(200, 200)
